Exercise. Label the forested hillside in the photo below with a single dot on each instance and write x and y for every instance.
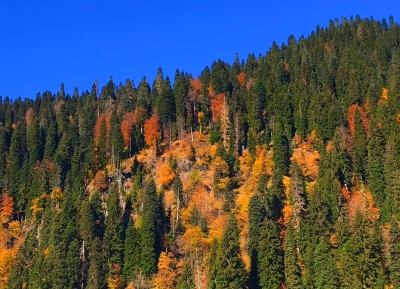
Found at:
(281, 171)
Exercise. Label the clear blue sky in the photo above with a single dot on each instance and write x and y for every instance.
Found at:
(44, 43)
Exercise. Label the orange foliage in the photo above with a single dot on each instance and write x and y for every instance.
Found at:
(307, 159)
(115, 281)
(193, 239)
(6, 208)
(6, 262)
(211, 91)
(217, 103)
(196, 84)
(241, 78)
(152, 130)
(35, 209)
(329, 147)
(166, 275)
(367, 106)
(14, 227)
(97, 127)
(100, 181)
(350, 118)
(362, 201)
(139, 115)
(287, 208)
(346, 193)
(200, 116)
(126, 127)
(398, 118)
(384, 96)
(217, 226)
(165, 175)
(56, 194)
(29, 116)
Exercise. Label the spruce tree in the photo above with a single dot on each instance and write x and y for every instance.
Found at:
(230, 268)
(270, 257)
(113, 241)
(256, 218)
(292, 269)
(150, 231)
(186, 280)
(326, 274)
(131, 251)
(394, 253)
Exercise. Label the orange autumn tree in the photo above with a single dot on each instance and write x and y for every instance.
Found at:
(351, 118)
(241, 78)
(97, 126)
(126, 129)
(167, 272)
(152, 130)
(165, 175)
(6, 208)
(217, 104)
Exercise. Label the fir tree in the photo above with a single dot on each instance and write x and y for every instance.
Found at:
(230, 268)
(186, 280)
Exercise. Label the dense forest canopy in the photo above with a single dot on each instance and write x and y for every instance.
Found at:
(281, 171)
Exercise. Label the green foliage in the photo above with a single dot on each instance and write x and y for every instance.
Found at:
(186, 280)
(229, 268)
(151, 230)
(296, 97)
(270, 257)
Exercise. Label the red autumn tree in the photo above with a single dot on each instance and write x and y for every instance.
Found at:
(152, 130)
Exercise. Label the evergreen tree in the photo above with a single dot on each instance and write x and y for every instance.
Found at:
(96, 271)
(394, 252)
(186, 280)
(270, 257)
(102, 146)
(292, 269)
(361, 257)
(256, 218)
(131, 252)
(230, 268)
(150, 231)
(113, 241)
(325, 272)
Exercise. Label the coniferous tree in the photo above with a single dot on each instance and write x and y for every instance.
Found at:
(270, 257)
(326, 274)
(113, 241)
(131, 251)
(394, 252)
(292, 269)
(229, 267)
(186, 280)
(150, 231)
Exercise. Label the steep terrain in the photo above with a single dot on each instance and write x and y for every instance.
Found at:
(281, 171)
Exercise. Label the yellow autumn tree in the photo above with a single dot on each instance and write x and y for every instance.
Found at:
(166, 275)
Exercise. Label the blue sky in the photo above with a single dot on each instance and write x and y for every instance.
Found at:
(44, 43)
